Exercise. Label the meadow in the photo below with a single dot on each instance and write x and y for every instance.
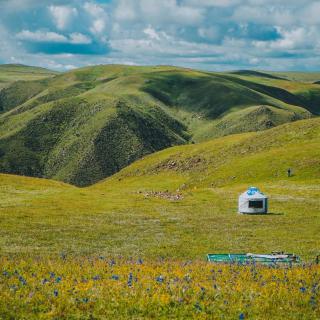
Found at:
(101, 288)
(178, 203)
(134, 245)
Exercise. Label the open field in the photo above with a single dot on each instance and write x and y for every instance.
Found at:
(100, 288)
(180, 202)
(134, 245)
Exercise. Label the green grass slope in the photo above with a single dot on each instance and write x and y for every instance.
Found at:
(87, 124)
(179, 203)
(10, 73)
(298, 90)
(298, 76)
(245, 158)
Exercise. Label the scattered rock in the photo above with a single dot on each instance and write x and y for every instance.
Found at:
(163, 195)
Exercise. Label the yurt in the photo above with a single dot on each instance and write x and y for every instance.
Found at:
(253, 201)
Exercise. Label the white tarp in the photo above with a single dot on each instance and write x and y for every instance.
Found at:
(253, 201)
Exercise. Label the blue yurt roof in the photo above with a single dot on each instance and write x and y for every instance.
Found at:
(253, 192)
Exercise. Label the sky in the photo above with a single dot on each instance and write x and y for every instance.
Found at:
(202, 34)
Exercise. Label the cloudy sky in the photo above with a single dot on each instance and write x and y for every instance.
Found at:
(203, 34)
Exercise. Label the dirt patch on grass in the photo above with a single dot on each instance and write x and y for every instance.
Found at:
(163, 195)
(181, 164)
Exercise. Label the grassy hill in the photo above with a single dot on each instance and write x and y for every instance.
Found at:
(178, 203)
(10, 73)
(87, 124)
(298, 76)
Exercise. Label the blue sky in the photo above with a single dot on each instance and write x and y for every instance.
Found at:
(203, 34)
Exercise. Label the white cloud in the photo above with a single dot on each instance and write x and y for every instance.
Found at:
(98, 26)
(310, 14)
(69, 67)
(151, 33)
(169, 11)
(297, 38)
(212, 3)
(99, 17)
(79, 38)
(41, 36)
(45, 36)
(210, 33)
(268, 15)
(158, 12)
(14, 5)
(62, 15)
(8, 48)
(94, 9)
(125, 10)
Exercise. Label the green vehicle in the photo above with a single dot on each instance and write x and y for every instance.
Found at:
(249, 258)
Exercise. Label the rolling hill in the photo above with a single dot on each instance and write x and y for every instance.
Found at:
(87, 124)
(10, 73)
(177, 203)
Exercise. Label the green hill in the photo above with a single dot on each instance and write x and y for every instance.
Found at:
(87, 124)
(298, 76)
(256, 74)
(10, 73)
(177, 203)
(245, 158)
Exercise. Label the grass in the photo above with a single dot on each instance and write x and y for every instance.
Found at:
(123, 248)
(106, 117)
(120, 217)
(10, 73)
(134, 244)
(300, 91)
(99, 288)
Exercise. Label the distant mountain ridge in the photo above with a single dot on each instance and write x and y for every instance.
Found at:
(87, 124)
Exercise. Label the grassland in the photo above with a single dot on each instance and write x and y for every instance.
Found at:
(132, 213)
(101, 288)
(106, 117)
(10, 73)
(134, 245)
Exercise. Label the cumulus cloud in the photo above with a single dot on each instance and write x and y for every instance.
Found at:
(169, 11)
(125, 10)
(310, 14)
(62, 15)
(297, 38)
(264, 15)
(211, 33)
(208, 34)
(45, 36)
(212, 3)
(79, 38)
(41, 36)
(154, 12)
(98, 16)
(151, 33)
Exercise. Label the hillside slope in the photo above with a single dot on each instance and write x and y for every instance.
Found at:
(237, 159)
(87, 124)
(10, 73)
(177, 203)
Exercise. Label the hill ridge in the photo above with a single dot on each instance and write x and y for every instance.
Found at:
(86, 124)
